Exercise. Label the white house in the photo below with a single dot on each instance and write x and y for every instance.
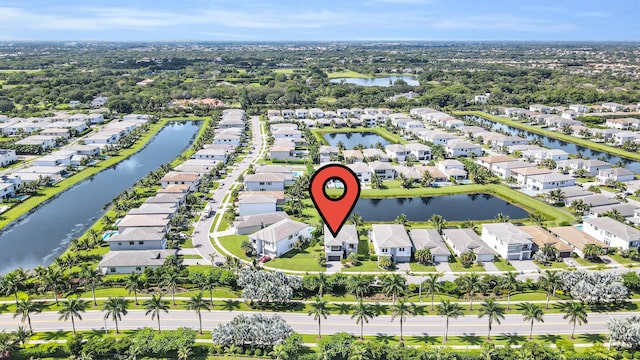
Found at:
(46, 142)
(549, 181)
(591, 166)
(227, 139)
(430, 239)
(7, 190)
(452, 168)
(613, 107)
(579, 108)
(464, 240)
(218, 155)
(263, 182)
(396, 151)
(455, 148)
(327, 153)
(505, 169)
(612, 232)
(256, 204)
(508, 241)
(279, 238)
(361, 170)
(420, 151)
(7, 157)
(384, 170)
(341, 246)
(608, 176)
(625, 136)
(138, 239)
(281, 152)
(181, 178)
(302, 113)
(391, 240)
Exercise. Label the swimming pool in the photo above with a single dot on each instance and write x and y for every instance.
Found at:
(297, 173)
(108, 234)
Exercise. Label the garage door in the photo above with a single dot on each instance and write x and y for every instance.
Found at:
(334, 258)
(514, 257)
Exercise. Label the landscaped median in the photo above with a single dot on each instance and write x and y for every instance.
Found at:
(393, 138)
(556, 135)
(47, 193)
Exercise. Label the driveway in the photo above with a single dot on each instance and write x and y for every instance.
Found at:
(333, 267)
(490, 267)
(525, 266)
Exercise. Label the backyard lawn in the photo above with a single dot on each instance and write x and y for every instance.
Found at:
(305, 260)
(232, 244)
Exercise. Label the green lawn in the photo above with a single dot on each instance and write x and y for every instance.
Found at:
(417, 267)
(622, 260)
(232, 244)
(457, 267)
(396, 139)
(365, 266)
(502, 266)
(305, 260)
(556, 135)
(287, 71)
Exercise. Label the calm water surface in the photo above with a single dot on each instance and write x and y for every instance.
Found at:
(350, 140)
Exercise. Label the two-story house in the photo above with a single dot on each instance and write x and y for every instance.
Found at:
(508, 241)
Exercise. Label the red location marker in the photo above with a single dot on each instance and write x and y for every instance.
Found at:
(334, 212)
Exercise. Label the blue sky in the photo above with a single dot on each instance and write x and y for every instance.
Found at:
(267, 20)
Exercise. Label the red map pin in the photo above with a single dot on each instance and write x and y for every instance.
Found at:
(334, 212)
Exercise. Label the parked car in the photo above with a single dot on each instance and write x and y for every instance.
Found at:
(264, 259)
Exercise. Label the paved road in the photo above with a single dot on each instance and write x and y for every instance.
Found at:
(201, 231)
(418, 326)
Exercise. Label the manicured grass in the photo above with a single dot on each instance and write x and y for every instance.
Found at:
(583, 262)
(377, 130)
(347, 73)
(47, 193)
(364, 266)
(457, 267)
(417, 267)
(622, 260)
(305, 260)
(287, 71)
(232, 244)
(556, 135)
(503, 266)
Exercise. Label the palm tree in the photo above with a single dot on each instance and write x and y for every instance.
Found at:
(362, 312)
(471, 285)
(22, 335)
(197, 304)
(394, 284)
(450, 311)
(154, 306)
(376, 181)
(91, 277)
(493, 310)
(438, 222)
(536, 218)
(12, 283)
(209, 282)
(170, 278)
(426, 179)
(133, 283)
(25, 308)
(468, 224)
(509, 284)
(322, 281)
(358, 285)
(549, 281)
(575, 312)
(115, 307)
(401, 310)
(72, 309)
(319, 310)
(501, 218)
(432, 285)
(531, 312)
(402, 219)
(592, 250)
(356, 219)
(55, 280)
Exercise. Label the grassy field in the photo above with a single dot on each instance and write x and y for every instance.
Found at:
(379, 131)
(305, 260)
(347, 73)
(49, 192)
(287, 71)
(556, 135)
(232, 244)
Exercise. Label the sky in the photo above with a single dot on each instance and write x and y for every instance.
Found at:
(318, 20)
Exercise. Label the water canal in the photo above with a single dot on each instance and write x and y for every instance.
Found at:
(37, 238)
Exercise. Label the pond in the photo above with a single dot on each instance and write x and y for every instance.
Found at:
(552, 143)
(451, 207)
(37, 238)
(351, 139)
(377, 81)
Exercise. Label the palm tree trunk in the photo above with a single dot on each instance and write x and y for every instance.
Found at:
(29, 321)
(211, 295)
(509, 300)
(446, 330)
(173, 295)
(531, 330)
(16, 295)
(433, 295)
(73, 324)
(573, 330)
(401, 338)
(55, 295)
(135, 296)
(361, 330)
(93, 291)
(159, 322)
(470, 302)
(200, 321)
(115, 319)
(319, 332)
(547, 304)
(489, 333)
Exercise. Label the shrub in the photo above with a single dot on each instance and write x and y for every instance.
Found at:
(258, 352)
(373, 257)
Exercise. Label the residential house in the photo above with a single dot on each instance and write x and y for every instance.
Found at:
(542, 238)
(625, 136)
(138, 239)
(328, 153)
(374, 154)
(396, 151)
(46, 142)
(302, 113)
(256, 204)
(626, 210)
(263, 182)
(7, 157)
(144, 221)
(430, 239)
(505, 169)
(351, 156)
(155, 209)
(591, 166)
(279, 238)
(217, 155)
(436, 174)
(455, 148)
(7, 190)
(613, 107)
(453, 169)
(127, 262)
(391, 240)
(345, 243)
(549, 181)
(612, 232)
(577, 239)
(419, 151)
(522, 174)
(245, 225)
(384, 170)
(609, 176)
(362, 171)
(181, 178)
(464, 240)
(281, 152)
(508, 241)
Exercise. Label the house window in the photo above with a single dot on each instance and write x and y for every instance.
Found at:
(119, 243)
(140, 242)
(401, 249)
(138, 268)
(131, 242)
(385, 250)
(112, 269)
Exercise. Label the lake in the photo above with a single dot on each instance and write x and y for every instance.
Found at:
(377, 81)
(451, 207)
(39, 237)
(351, 139)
